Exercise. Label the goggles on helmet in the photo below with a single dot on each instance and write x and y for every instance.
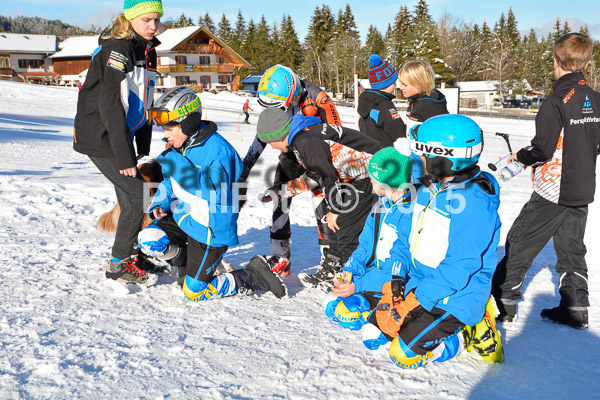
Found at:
(161, 116)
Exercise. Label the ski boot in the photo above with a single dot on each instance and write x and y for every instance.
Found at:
(323, 278)
(280, 265)
(265, 276)
(507, 310)
(484, 338)
(570, 316)
(126, 271)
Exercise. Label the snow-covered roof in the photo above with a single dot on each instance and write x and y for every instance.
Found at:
(77, 46)
(174, 36)
(26, 43)
(478, 86)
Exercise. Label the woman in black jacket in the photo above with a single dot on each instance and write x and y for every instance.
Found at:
(111, 113)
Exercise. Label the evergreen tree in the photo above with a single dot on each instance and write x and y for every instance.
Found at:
(224, 31)
(400, 35)
(291, 48)
(320, 33)
(511, 30)
(532, 61)
(342, 52)
(464, 51)
(374, 43)
(239, 33)
(207, 22)
(584, 30)
(261, 39)
(183, 21)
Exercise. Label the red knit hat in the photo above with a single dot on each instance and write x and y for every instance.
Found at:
(381, 73)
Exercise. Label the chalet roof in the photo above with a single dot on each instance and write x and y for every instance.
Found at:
(251, 79)
(478, 86)
(173, 37)
(26, 43)
(76, 46)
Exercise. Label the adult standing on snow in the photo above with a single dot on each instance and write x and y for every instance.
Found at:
(246, 107)
(379, 118)
(111, 114)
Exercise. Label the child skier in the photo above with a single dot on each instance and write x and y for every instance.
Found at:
(336, 157)
(196, 204)
(563, 154)
(441, 277)
(349, 303)
(379, 118)
(281, 88)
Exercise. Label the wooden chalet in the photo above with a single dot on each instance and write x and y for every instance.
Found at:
(23, 57)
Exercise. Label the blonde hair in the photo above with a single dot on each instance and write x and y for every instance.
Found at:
(419, 74)
(119, 29)
(573, 51)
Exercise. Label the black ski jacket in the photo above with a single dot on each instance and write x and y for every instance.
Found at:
(566, 143)
(112, 103)
(379, 118)
(421, 106)
(331, 154)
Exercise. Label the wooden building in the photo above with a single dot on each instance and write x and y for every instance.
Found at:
(23, 57)
(74, 57)
(194, 56)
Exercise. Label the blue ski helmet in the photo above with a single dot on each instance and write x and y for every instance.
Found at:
(451, 143)
(279, 87)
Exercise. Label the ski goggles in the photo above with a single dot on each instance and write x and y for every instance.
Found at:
(161, 116)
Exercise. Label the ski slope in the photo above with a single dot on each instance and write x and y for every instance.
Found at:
(66, 332)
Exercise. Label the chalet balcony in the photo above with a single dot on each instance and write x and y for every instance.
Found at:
(219, 68)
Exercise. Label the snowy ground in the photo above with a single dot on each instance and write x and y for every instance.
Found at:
(66, 332)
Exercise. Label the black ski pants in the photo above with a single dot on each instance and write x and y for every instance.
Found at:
(360, 200)
(130, 195)
(539, 221)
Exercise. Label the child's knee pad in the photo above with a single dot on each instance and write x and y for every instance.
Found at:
(330, 302)
(153, 241)
(404, 357)
(352, 312)
(372, 337)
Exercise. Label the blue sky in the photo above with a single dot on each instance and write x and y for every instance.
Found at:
(537, 14)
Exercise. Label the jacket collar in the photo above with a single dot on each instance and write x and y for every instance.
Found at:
(568, 80)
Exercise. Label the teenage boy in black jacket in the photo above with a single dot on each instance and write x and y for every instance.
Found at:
(563, 155)
(336, 157)
(379, 118)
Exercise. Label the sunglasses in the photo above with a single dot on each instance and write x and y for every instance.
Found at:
(161, 116)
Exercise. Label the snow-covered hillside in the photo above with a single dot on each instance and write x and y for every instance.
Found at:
(66, 332)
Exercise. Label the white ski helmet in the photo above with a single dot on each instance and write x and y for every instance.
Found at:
(179, 104)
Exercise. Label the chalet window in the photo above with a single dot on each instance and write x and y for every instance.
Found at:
(4, 62)
(181, 59)
(182, 80)
(30, 64)
(223, 79)
(204, 60)
(205, 81)
(221, 60)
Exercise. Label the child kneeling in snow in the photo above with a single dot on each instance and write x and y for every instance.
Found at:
(350, 303)
(195, 206)
(437, 301)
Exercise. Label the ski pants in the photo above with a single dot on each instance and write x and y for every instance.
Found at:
(201, 283)
(344, 241)
(539, 221)
(130, 195)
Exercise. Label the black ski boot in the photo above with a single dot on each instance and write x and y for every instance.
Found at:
(263, 277)
(323, 278)
(576, 317)
(507, 310)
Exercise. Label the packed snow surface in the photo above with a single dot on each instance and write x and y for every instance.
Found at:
(66, 332)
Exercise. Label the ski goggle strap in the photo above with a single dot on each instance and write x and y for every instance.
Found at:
(443, 151)
(161, 116)
(275, 136)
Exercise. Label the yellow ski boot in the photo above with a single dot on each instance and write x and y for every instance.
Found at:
(485, 339)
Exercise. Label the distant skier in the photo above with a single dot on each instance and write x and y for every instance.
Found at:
(246, 107)
(195, 207)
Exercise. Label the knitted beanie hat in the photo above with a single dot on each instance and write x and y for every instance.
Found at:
(381, 73)
(390, 168)
(134, 8)
(273, 125)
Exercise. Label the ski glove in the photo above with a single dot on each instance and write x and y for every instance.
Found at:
(392, 294)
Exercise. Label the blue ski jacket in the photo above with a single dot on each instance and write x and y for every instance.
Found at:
(450, 256)
(198, 187)
(371, 263)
